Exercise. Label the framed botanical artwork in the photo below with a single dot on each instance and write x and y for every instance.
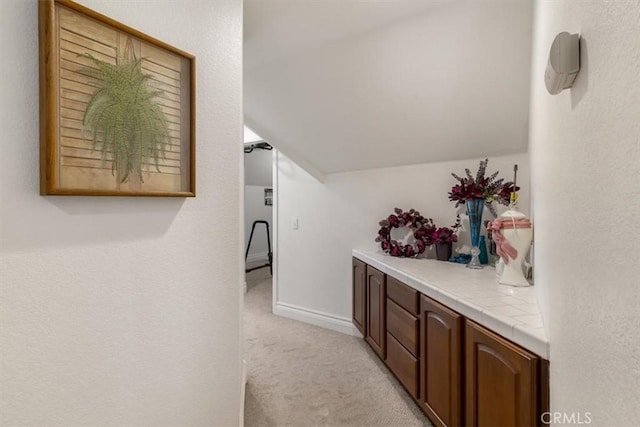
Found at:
(117, 108)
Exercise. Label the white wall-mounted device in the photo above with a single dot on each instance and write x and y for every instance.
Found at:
(564, 63)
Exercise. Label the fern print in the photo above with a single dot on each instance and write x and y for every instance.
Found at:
(122, 116)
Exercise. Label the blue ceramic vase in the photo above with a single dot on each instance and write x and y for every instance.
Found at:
(475, 209)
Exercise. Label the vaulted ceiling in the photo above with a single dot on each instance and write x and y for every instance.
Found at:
(341, 85)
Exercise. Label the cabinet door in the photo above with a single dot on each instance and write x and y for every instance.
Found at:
(359, 304)
(375, 312)
(403, 364)
(441, 363)
(501, 381)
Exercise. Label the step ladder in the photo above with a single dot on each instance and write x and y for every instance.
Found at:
(270, 254)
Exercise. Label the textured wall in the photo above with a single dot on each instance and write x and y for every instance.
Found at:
(585, 154)
(123, 311)
(343, 213)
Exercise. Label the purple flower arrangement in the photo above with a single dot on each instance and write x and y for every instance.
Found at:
(481, 186)
(479, 190)
(445, 234)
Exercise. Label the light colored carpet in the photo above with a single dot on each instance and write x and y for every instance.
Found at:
(303, 375)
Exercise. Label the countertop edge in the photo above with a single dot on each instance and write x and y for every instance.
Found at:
(532, 339)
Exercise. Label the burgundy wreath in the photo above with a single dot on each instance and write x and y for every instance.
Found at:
(420, 225)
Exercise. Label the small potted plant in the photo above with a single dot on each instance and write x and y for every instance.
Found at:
(443, 238)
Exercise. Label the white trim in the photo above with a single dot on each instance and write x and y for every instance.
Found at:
(317, 318)
(274, 223)
(243, 390)
(242, 279)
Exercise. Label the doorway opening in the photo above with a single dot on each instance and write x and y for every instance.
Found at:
(258, 203)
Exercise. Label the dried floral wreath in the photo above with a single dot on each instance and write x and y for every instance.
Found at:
(422, 229)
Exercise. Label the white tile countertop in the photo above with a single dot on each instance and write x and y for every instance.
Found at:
(476, 294)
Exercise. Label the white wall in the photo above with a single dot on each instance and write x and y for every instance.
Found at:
(449, 83)
(123, 311)
(256, 210)
(585, 155)
(314, 262)
(258, 168)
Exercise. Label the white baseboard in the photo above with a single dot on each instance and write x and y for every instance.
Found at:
(243, 389)
(317, 318)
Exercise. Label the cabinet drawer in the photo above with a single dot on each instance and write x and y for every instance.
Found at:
(403, 326)
(403, 295)
(403, 365)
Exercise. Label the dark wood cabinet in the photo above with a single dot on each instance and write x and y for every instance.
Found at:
(376, 311)
(501, 381)
(403, 337)
(359, 301)
(440, 363)
(459, 372)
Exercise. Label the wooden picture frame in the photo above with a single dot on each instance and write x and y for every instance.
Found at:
(117, 108)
